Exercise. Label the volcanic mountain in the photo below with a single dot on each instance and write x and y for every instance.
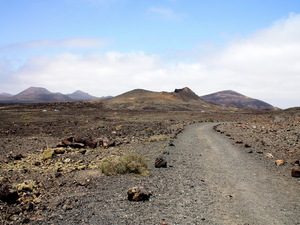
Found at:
(5, 96)
(42, 95)
(81, 96)
(39, 95)
(180, 100)
(230, 97)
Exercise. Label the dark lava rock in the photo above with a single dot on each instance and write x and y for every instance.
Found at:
(247, 146)
(138, 193)
(18, 157)
(160, 162)
(295, 172)
(8, 194)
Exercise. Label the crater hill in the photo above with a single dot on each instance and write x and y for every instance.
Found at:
(180, 100)
(230, 97)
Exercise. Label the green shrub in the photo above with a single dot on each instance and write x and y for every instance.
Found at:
(25, 117)
(130, 163)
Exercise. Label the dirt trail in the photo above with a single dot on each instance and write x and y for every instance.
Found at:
(208, 181)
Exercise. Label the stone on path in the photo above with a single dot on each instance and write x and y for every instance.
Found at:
(138, 193)
(160, 162)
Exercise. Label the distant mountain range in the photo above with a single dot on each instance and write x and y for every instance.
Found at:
(230, 97)
(42, 95)
(139, 99)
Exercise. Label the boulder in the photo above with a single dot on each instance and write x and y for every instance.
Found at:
(138, 193)
(160, 162)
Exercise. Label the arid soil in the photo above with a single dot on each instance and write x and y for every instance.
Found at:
(68, 186)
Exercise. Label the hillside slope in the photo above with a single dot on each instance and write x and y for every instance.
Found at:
(180, 100)
(230, 97)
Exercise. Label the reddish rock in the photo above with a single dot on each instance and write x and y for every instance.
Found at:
(295, 172)
(138, 193)
(59, 151)
(65, 143)
(239, 141)
(279, 162)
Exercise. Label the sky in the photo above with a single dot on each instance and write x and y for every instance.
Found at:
(108, 47)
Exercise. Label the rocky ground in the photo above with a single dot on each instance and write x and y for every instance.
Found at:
(275, 137)
(51, 152)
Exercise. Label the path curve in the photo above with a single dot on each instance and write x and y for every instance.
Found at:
(208, 181)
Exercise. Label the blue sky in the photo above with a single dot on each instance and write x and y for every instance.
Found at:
(107, 47)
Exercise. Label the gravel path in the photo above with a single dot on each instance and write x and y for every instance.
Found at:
(208, 181)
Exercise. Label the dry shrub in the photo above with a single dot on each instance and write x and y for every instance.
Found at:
(129, 163)
(161, 137)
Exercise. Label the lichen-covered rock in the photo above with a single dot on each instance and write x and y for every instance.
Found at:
(138, 193)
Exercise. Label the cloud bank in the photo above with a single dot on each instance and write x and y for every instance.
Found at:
(265, 65)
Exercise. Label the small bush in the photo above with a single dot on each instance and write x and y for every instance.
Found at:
(25, 118)
(210, 120)
(149, 130)
(161, 137)
(130, 163)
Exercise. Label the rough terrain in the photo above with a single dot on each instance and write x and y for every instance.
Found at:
(210, 178)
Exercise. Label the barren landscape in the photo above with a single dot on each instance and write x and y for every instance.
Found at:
(222, 167)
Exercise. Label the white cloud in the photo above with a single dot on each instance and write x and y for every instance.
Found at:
(265, 65)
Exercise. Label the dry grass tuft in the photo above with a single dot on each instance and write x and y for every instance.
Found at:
(129, 163)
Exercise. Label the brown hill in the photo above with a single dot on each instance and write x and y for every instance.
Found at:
(229, 97)
(180, 100)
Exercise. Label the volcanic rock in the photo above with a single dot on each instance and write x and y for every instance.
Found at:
(295, 172)
(279, 162)
(8, 193)
(160, 162)
(59, 151)
(138, 193)
(239, 141)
